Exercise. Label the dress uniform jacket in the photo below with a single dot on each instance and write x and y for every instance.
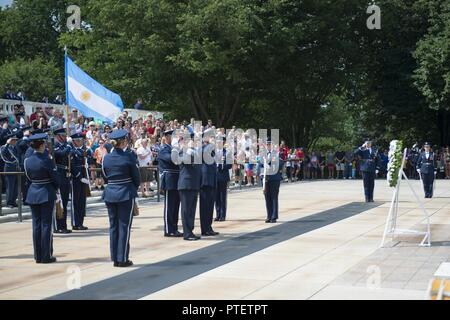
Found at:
(120, 168)
(41, 172)
(427, 166)
(169, 171)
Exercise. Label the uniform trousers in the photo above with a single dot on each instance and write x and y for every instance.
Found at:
(207, 199)
(42, 216)
(188, 201)
(120, 220)
(171, 210)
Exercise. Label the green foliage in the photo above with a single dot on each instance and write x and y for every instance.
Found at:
(433, 55)
(35, 77)
(310, 68)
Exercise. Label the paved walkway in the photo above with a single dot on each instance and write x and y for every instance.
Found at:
(326, 246)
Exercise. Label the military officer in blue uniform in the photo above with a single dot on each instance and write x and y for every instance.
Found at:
(79, 182)
(223, 178)
(208, 185)
(189, 184)
(426, 166)
(272, 177)
(41, 196)
(10, 157)
(369, 160)
(122, 172)
(63, 152)
(4, 132)
(169, 174)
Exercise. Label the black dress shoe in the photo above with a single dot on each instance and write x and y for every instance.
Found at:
(82, 228)
(116, 264)
(58, 231)
(273, 221)
(210, 234)
(192, 237)
(268, 220)
(178, 234)
(222, 219)
(217, 219)
(129, 263)
(66, 231)
(51, 260)
(173, 235)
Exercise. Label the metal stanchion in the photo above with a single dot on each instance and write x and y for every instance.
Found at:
(19, 200)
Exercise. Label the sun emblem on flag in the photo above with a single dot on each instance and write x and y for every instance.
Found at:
(85, 96)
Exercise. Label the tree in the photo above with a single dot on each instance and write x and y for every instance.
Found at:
(433, 72)
(35, 77)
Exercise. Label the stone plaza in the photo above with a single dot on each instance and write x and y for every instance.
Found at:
(326, 245)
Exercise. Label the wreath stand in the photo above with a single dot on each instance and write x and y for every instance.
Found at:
(391, 222)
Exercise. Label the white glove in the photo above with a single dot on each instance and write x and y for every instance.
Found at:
(376, 171)
(85, 181)
(58, 197)
(418, 170)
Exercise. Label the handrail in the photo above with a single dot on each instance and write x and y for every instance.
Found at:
(19, 187)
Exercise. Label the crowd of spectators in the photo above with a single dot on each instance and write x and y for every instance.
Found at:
(146, 137)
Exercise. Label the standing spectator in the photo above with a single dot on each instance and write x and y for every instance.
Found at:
(307, 166)
(447, 162)
(314, 165)
(330, 164)
(301, 157)
(322, 165)
(348, 164)
(80, 125)
(144, 154)
(99, 153)
(34, 115)
(56, 121)
(138, 105)
(340, 158)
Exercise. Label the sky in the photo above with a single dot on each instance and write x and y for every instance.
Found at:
(5, 2)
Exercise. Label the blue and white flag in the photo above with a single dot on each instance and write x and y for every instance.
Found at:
(88, 96)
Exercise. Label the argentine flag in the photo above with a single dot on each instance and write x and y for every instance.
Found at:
(88, 96)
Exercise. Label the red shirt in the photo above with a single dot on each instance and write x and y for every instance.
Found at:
(284, 153)
(300, 154)
(151, 130)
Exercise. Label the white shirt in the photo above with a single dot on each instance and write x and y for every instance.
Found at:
(141, 151)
